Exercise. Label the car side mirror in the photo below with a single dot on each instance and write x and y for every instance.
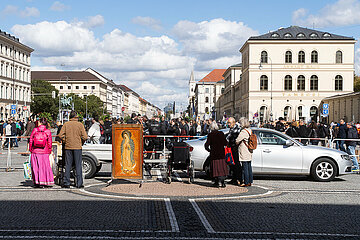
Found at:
(289, 143)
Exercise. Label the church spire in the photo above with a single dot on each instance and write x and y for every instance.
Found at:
(192, 78)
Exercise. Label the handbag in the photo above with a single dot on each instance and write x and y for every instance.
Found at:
(228, 156)
(27, 169)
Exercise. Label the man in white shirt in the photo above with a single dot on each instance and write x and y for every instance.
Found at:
(94, 131)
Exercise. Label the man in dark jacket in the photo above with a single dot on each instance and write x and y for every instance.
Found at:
(231, 138)
(342, 135)
(303, 132)
(108, 130)
(351, 145)
(280, 126)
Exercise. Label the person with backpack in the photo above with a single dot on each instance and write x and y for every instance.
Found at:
(247, 143)
(40, 146)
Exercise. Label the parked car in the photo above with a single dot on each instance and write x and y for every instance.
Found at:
(278, 153)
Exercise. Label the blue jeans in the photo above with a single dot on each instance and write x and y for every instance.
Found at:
(247, 172)
(72, 156)
(351, 151)
(340, 145)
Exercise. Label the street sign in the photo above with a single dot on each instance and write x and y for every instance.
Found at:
(325, 112)
(24, 108)
(13, 107)
(325, 106)
(13, 111)
(123, 109)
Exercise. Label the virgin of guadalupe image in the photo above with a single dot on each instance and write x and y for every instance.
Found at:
(127, 153)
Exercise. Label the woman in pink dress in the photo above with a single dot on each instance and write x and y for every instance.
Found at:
(40, 147)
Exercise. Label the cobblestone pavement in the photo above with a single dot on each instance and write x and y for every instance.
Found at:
(294, 208)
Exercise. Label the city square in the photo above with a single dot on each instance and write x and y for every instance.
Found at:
(179, 120)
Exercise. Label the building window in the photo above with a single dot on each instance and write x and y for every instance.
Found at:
(288, 83)
(301, 57)
(300, 112)
(206, 99)
(85, 87)
(338, 57)
(264, 57)
(338, 83)
(314, 83)
(288, 57)
(206, 110)
(77, 87)
(313, 113)
(301, 83)
(92, 87)
(69, 87)
(287, 113)
(263, 83)
(206, 90)
(61, 87)
(314, 57)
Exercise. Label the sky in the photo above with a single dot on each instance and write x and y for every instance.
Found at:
(153, 45)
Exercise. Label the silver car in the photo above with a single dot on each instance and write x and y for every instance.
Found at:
(278, 153)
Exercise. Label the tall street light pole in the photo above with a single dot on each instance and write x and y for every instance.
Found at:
(60, 111)
(271, 85)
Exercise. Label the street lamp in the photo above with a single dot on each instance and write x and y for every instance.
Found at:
(261, 67)
(86, 114)
(60, 111)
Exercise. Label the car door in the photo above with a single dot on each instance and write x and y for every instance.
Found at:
(276, 156)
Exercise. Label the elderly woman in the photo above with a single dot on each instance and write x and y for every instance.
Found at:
(215, 144)
(245, 155)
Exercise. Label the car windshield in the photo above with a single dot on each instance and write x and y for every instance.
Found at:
(225, 131)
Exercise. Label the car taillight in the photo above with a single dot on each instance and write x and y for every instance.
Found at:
(191, 149)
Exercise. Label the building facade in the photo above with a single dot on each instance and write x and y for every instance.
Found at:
(232, 75)
(205, 96)
(286, 73)
(15, 81)
(346, 106)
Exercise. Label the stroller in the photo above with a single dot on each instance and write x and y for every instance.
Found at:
(179, 159)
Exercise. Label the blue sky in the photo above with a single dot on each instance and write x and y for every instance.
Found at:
(152, 46)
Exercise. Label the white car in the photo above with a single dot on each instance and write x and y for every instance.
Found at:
(278, 153)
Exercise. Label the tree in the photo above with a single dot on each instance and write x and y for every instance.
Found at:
(356, 83)
(42, 100)
(94, 105)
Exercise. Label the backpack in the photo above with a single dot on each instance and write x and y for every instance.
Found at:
(252, 142)
(39, 139)
(101, 129)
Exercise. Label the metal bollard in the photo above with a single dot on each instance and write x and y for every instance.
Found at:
(8, 161)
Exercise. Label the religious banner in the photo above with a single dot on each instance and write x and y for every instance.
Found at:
(127, 151)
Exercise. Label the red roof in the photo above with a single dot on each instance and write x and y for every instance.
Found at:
(56, 75)
(214, 76)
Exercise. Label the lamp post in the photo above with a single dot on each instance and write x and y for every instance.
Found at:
(86, 114)
(271, 97)
(60, 111)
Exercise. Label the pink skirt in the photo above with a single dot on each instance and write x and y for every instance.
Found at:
(41, 171)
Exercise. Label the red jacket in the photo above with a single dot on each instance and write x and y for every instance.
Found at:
(48, 147)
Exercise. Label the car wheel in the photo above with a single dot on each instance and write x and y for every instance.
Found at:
(323, 170)
(88, 167)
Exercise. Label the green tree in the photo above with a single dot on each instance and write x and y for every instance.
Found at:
(42, 100)
(356, 83)
(94, 105)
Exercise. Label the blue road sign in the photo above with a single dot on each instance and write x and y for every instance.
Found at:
(325, 106)
(325, 111)
(13, 111)
(13, 107)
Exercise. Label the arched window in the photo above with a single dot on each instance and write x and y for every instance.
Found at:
(262, 113)
(314, 83)
(338, 83)
(288, 57)
(288, 83)
(287, 113)
(264, 57)
(300, 112)
(301, 57)
(301, 83)
(263, 83)
(338, 57)
(207, 99)
(206, 110)
(314, 57)
(313, 113)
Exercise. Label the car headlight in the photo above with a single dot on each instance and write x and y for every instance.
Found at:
(346, 157)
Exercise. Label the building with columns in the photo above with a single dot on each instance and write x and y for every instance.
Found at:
(286, 73)
(15, 81)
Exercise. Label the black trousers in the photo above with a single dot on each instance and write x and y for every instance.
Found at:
(236, 169)
(71, 157)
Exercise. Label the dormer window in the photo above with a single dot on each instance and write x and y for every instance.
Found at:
(314, 35)
(326, 35)
(300, 35)
(287, 35)
(275, 35)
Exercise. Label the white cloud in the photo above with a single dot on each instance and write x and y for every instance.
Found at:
(357, 60)
(213, 39)
(340, 13)
(148, 22)
(59, 38)
(58, 7)
(93, 21)
(14, 10)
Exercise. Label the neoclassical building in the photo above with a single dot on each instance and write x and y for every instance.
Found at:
(15, 81)
(286, 73)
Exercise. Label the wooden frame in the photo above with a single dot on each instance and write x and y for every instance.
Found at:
(127, 151)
